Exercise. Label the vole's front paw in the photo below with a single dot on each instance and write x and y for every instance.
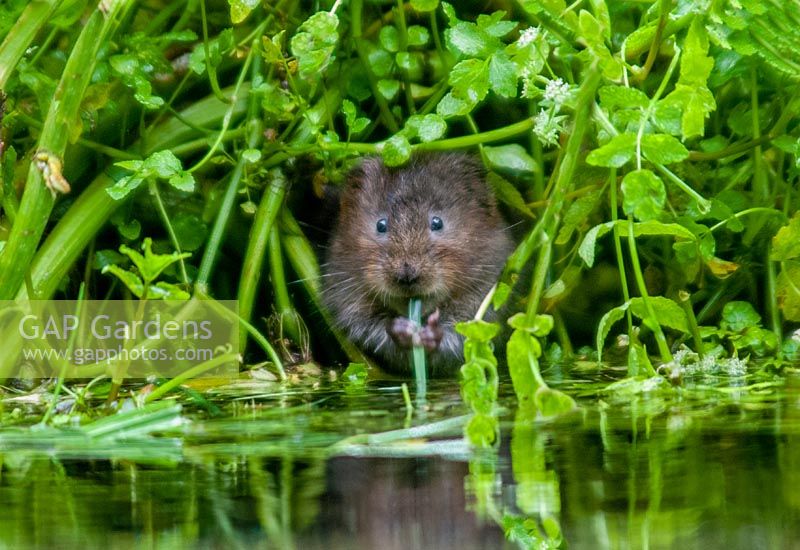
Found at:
(402, 331)
(431, 334)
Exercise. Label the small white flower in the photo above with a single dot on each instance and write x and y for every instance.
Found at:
(556, 91)
(527, 36)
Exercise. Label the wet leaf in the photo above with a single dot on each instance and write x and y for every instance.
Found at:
(615, 153)
(644, 195)
(396, 151)
(480, 331)
(663, 148)
(314, 44)
(737, 316)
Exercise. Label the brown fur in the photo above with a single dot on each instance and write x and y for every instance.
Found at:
(456, 266)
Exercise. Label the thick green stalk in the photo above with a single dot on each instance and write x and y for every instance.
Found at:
(30, 22)
(257, 245)
(37, 200)
(564, 183)
(94, 206)
(283, 303)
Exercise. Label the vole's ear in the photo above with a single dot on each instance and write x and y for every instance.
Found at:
(368, 172)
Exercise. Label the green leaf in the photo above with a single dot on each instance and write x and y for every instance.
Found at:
(647, 228)
(388, 88)
(166, 291)
(131, 280)
(540, 326)
(424, 5)
(124, 185)
(613, 97)
(787, 290)
(503, 75)
(737, 316)
(494, 24)
(182, 182)
(354, 124)
(508, 194)
(468, 40)
(606, 322)
(251, 156)
(644, 195)
(355, 374)
(512, 158)
(417, 35)
(470, 80)
(314, 44)
(151, 265)
(477, 330)
(615, 153)
(577, 214)
(217, 47)
(451, 106)
(390, 39)
(481, 430)
(240, 9)
(190, 230)
(663, 149)
(668, 313)
(592, 33)
(786, 242)
(396, 150)
(501, 295)
(427, 127)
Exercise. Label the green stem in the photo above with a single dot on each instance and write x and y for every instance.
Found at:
(162, 212)
(623, 278)
(173, 383)
(685, 300)
(283, 303)
(37, 200)
(654, 325)
(551, 217)
(257, 243)
(772, 302)
(417, 352)
(19, 38)
(210, 69)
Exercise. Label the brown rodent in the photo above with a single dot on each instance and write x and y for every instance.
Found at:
(429, 230)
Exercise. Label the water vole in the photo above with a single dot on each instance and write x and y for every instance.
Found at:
(430, 230)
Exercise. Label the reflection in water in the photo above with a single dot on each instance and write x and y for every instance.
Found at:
(637, 472)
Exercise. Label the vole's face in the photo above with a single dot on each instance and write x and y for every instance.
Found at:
(416, 232)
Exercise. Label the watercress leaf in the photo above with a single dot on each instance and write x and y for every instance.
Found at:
(508, 194)
(786, 242)
(451, 106)
(251, 156)
(613, 97)
(587, 248)
(606, 322)
(495, 25)
(592, 33)
(272, 48)
(314, 44)
(418, 35)
(786, 290)
(737, 316)
(470, 80)
(427, 127)
(390, 39)
(644, 195)
(655, 227)
(151, 265)
(577, 214)
(355, 374)
(501, 295)
(396, 150)
(404, 60)
(468, 40)
(240, 9)
(424, 5)
(131, 280)
(388, 88)
(668, 313)
(663, 149)
(615, 153)
(503, 74)
(124, 185)
(513, 158)
(540, 325)
(163, 164)
(480, 331)
(105, 257)
(182, 182)
(166, 291)
(190, 230)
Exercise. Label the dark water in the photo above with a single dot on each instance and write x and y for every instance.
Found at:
(715, 464)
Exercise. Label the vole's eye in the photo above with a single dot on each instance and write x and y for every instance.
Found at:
(382, 226)
(436, 223)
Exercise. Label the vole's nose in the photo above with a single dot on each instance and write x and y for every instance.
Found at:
(407, 274)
